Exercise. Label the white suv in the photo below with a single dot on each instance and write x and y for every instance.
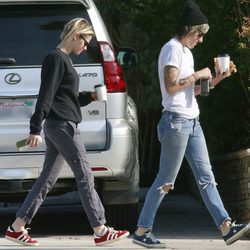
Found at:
(29, 30)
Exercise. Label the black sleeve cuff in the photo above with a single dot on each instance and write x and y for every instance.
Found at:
(36, 122)
(85, 98)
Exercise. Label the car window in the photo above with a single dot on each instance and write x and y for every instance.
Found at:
(29, 32)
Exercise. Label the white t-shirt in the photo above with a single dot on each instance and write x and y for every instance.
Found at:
(183, 102)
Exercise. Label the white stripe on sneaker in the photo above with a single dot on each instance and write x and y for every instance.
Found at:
(112, 236)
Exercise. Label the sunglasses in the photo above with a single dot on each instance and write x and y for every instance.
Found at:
(86, 43)
(201, 34)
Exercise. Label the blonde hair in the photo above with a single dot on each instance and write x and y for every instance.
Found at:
(202, 28)
(77, 25)
(185, 30)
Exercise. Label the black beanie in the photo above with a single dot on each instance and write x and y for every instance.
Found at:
(192, 15)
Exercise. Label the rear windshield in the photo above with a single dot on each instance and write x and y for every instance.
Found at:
(30, 31)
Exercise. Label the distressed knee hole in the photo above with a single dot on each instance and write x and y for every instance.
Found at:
(165, 188)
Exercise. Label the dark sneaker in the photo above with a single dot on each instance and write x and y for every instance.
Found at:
(21, 237)
(148, 240)
(236, 232)
(110, 236)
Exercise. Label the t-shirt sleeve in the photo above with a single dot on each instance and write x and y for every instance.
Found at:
(51, 76)
(172, 56)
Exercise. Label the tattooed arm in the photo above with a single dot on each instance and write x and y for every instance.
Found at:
(173, 84)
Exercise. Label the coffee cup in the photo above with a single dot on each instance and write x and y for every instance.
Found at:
(223, 62)
(101, 92)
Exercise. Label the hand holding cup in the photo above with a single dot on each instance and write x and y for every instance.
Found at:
(223, 65)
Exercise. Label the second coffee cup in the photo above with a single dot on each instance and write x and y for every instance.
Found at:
(101, 92)
(224, 62)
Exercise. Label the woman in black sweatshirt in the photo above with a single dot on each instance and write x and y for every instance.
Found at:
(59, 104)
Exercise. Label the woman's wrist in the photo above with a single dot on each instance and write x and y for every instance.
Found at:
(214, 82)
(195, 76)
(185, 82)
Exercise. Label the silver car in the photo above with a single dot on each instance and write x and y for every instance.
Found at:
(29, 30)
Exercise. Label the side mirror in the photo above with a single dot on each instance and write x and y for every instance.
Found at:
(127, 58)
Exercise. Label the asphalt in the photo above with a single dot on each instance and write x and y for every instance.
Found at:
(182, 223)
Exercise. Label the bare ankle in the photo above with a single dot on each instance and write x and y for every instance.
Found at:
(225, 227)
(18, 225)
(141, 230)
(100, 230)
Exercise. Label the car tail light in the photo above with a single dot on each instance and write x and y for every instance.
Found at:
(99, 169)
(112, 70)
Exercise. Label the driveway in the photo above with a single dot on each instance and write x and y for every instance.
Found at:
(182, 223)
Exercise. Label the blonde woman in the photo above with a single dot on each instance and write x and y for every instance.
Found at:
(180, 133)
(59, 104)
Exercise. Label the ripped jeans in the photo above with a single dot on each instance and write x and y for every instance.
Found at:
(64, 143)
(181, 137)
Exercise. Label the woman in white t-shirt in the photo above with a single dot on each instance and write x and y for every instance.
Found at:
(179, 130)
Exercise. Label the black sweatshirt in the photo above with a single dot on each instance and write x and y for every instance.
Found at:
(58, 95)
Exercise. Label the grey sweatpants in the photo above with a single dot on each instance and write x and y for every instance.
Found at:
(64, 142)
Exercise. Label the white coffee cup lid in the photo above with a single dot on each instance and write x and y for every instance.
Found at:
(223, 55)
(98, 85)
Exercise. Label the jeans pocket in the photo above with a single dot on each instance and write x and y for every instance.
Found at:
(176, 122)
(71, 127)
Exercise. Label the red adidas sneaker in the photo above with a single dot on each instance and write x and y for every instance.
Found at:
(110, 236)
(21, 237)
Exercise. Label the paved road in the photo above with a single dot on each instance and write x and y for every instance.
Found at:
(182, 223)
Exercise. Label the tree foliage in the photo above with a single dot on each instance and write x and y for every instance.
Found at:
(147, 24)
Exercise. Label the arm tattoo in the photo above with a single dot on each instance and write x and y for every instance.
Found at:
(173, 83)
(170, 76)
(183, 81)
